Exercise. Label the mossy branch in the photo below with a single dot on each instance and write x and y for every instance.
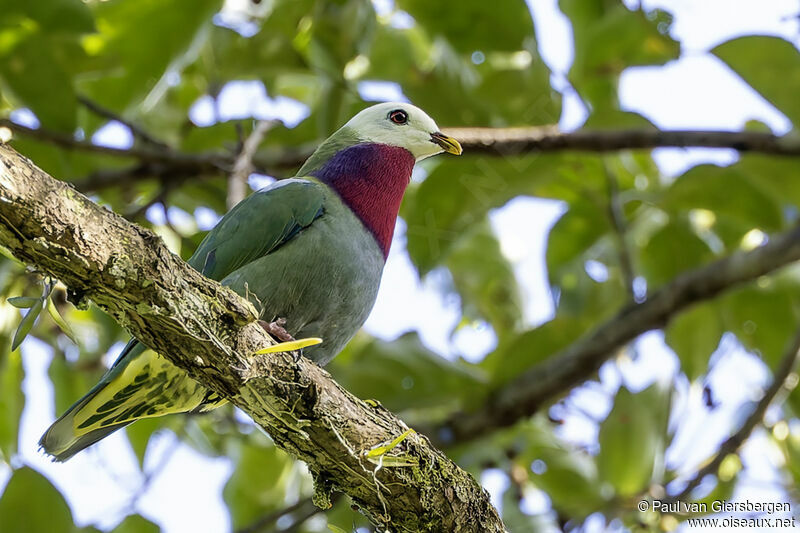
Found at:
(209, 331)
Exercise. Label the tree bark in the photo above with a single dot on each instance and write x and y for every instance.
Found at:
(210, 332)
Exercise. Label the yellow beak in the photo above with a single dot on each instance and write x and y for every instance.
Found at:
(448, 144)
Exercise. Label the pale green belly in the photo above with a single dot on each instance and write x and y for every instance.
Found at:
(323, 282)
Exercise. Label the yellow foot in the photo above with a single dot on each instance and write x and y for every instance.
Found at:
(290, 346)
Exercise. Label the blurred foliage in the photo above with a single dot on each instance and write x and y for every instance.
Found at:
(31, 504)
(150, 61)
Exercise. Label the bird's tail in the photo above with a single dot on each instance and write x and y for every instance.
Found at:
(141, 384)
(61, 441)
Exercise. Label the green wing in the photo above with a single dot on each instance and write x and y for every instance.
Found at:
(257, 226)
(141, 383)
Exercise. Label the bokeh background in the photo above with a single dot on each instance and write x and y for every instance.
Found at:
(497, 262)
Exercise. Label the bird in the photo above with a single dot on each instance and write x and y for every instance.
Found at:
(307, 251)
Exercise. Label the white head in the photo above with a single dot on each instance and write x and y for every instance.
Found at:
(404, 125)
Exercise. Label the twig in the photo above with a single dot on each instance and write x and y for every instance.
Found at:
(617, 216)
(135, 130)
(295, 526)
(735, 441)
(168, 175)
(159, 198)
(151, 474)
(559, 373)
(312, 510)
(243, 166)
(272, 517)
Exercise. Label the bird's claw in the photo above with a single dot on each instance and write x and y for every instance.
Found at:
(276, 329)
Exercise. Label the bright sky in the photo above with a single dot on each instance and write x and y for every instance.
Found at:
(695, 91)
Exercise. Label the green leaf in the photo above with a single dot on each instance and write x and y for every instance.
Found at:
(139, 42)
(71, 16)
(258, 485)
(581, 296)
(513, 357)
(338, 32)
(582, 304)
(609, 38)
(26, 324)
(23, 302)
(342, 517)
(30, 70)
(516, 95)
(30, 504)
(204, 434)
(139, 435)
(605, 118)
(136, 524)
(790, 447)
(508, 88)
(572, 235)
(59, 320)
(459, 192)
(396, 52)
(671, 250)
(266, 55)
(485, 280)
(11, 399)
(404, 375)
(725, 191)
(632, 437)
(458, 23)
(70, 380)
(516, 520)
(775, 174)
(216, 136)
(694, 335)
(757, 59)
(566, 474)
(763, 316)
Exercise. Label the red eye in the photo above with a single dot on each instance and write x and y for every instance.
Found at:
(398, 116)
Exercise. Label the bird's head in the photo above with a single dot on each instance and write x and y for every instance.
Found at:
(403, 125)
(369, 161)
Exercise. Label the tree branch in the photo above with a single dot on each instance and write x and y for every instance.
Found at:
(136, 131)
(303, 505)
(541, 384)
(211, 332)
(164, 164)
(196, 163)
(495, 141)
(243, 166)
